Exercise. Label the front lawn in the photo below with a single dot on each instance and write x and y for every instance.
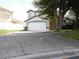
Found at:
(73, 34)
(4, 31)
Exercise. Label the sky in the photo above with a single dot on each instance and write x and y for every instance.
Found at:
(19, 7)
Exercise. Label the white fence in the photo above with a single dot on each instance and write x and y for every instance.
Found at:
(11, 26)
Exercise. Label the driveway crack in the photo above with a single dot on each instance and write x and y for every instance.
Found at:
(22, 49)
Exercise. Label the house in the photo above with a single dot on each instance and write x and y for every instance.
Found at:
(36, 22)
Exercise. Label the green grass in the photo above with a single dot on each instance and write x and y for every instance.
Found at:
(4, 31)
(73, 34)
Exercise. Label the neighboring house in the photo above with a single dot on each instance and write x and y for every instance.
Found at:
(6, 20)
(5, 15)
(35, 22)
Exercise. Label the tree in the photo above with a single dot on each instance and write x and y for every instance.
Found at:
(50, 7)
(75, 8)
(74, 5)
(47, 7)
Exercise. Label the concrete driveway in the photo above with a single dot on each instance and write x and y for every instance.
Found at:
(43, 44)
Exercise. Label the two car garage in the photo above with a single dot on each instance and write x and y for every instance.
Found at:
(41, 26)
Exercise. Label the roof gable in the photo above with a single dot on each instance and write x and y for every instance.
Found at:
(35, 18)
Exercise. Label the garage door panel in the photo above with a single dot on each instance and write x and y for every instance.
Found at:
(37, 26)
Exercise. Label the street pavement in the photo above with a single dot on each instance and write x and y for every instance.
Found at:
(37, 45)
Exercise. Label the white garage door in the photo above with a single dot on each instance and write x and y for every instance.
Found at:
(37, 26)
